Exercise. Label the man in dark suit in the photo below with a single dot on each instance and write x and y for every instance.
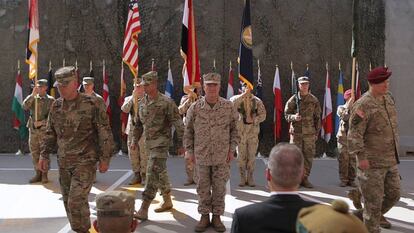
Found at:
(277, 214)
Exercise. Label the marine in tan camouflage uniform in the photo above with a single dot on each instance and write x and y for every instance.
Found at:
(37, 124)
(346, 163)
(373, 139)
(80, 128)
(136, 145)
(251, 113)
(158, 114)
(211, 139)
(305, 123)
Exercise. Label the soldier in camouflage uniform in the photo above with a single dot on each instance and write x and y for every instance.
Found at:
(37, 124)
(80, 128)
(303, 112)
(185, 103)
(251, 113)
(89, 87)
(157, 113)
(136, 146)
(373, 139)
(346, 163)
(211, 139)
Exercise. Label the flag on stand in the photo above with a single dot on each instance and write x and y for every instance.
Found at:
(189, 50)
(105, 92)
(132, 29)
(121, 100)
(358, 84)
(259, 87)
(339, 98)
(169, 86)
(50, 82)
(32, 39)
(230, 87)
(327, 124)
(245, 50)
(277, 106)
(17, 108)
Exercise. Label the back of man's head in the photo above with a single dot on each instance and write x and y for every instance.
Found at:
(285, 167)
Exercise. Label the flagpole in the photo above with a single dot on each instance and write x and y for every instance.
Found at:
(214, 65)
(274, 109)
(152, 64)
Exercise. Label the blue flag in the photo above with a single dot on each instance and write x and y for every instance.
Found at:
(169, 86)
(245, 51)
(339, 99)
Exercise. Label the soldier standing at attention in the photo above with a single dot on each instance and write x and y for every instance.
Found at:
(136, 144)
(373, 140)
(346, 163)
(37, 124)
(89, 87)
(157, 113)
(211, 139)
(76, 121)
(303, 111)
(251, 113)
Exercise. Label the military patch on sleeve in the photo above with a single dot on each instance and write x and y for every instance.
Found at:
(358, 117)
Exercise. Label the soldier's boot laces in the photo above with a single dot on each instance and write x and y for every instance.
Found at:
(218, 224)
(166, 204)
(384, 222)
(143, 211)
(203, 223)
(250, 180)
(355, 197)
(44, 178)
(136, 179)
(242, 178)
(36, 178)
(305, 183)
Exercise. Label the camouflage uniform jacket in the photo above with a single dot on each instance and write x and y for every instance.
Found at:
(43, 106)
(157, 117)
(310, 112)
(344, 113)
(80, 128)
(100, 99)
(373, 132)
(134, 127)
(210, 133)
(185, 105)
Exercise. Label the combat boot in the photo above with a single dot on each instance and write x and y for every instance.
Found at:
(143, 211)
(218, 224)
(250, 180)
(305, 183)
(384, 223)
(242, 178)
(166, 204)
(36, 178)
(136, 179)
(44, 178)
(203, 223)
(355, 197)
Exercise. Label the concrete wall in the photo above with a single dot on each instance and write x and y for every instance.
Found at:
(399, 56)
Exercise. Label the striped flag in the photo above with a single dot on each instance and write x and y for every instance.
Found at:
(259, 87)
(189, 50)
(105, 92)
(169, 86)
(230, 87)
(121, 99)
(17, 108)
(32, 39)
(277, 106)
(132, 29)
(339, 99)
(327, 124)
(245, 50)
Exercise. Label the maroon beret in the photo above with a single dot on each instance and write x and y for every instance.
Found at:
(378, 75)
(347, 94)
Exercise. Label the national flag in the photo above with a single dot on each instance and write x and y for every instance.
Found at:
(50, 81)
(17, 108)
(327, 124)
(105, 92)
(277, 106)
(339, 99)
(32, 39)
(169, 86)
(259, 87)
(294, 84)
(358, 84)
(189, 50)
(230, 87)
(245, 51)
(132, 29)
(121, 100)
(307, 71)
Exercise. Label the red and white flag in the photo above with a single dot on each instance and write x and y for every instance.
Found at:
(327, 123)
(230, 87)
(33, 39)
(132, 29)
(189, 50)
(121, 100)
(105, 92)
(277, 105)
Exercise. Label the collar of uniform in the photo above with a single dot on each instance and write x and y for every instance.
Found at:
(150, 101)
(205, 104)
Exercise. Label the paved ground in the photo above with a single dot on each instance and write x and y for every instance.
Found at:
(29, 208)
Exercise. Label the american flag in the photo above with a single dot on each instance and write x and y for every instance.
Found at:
(105, 92)
(32, 39)
(132, 29)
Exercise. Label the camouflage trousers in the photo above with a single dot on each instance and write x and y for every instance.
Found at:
(157, 178)
(346, 164)
(211, 188)
(35, 137)
(246, 153)
(76, 183)
(380, 190)
(306, 144)
(138, 156)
